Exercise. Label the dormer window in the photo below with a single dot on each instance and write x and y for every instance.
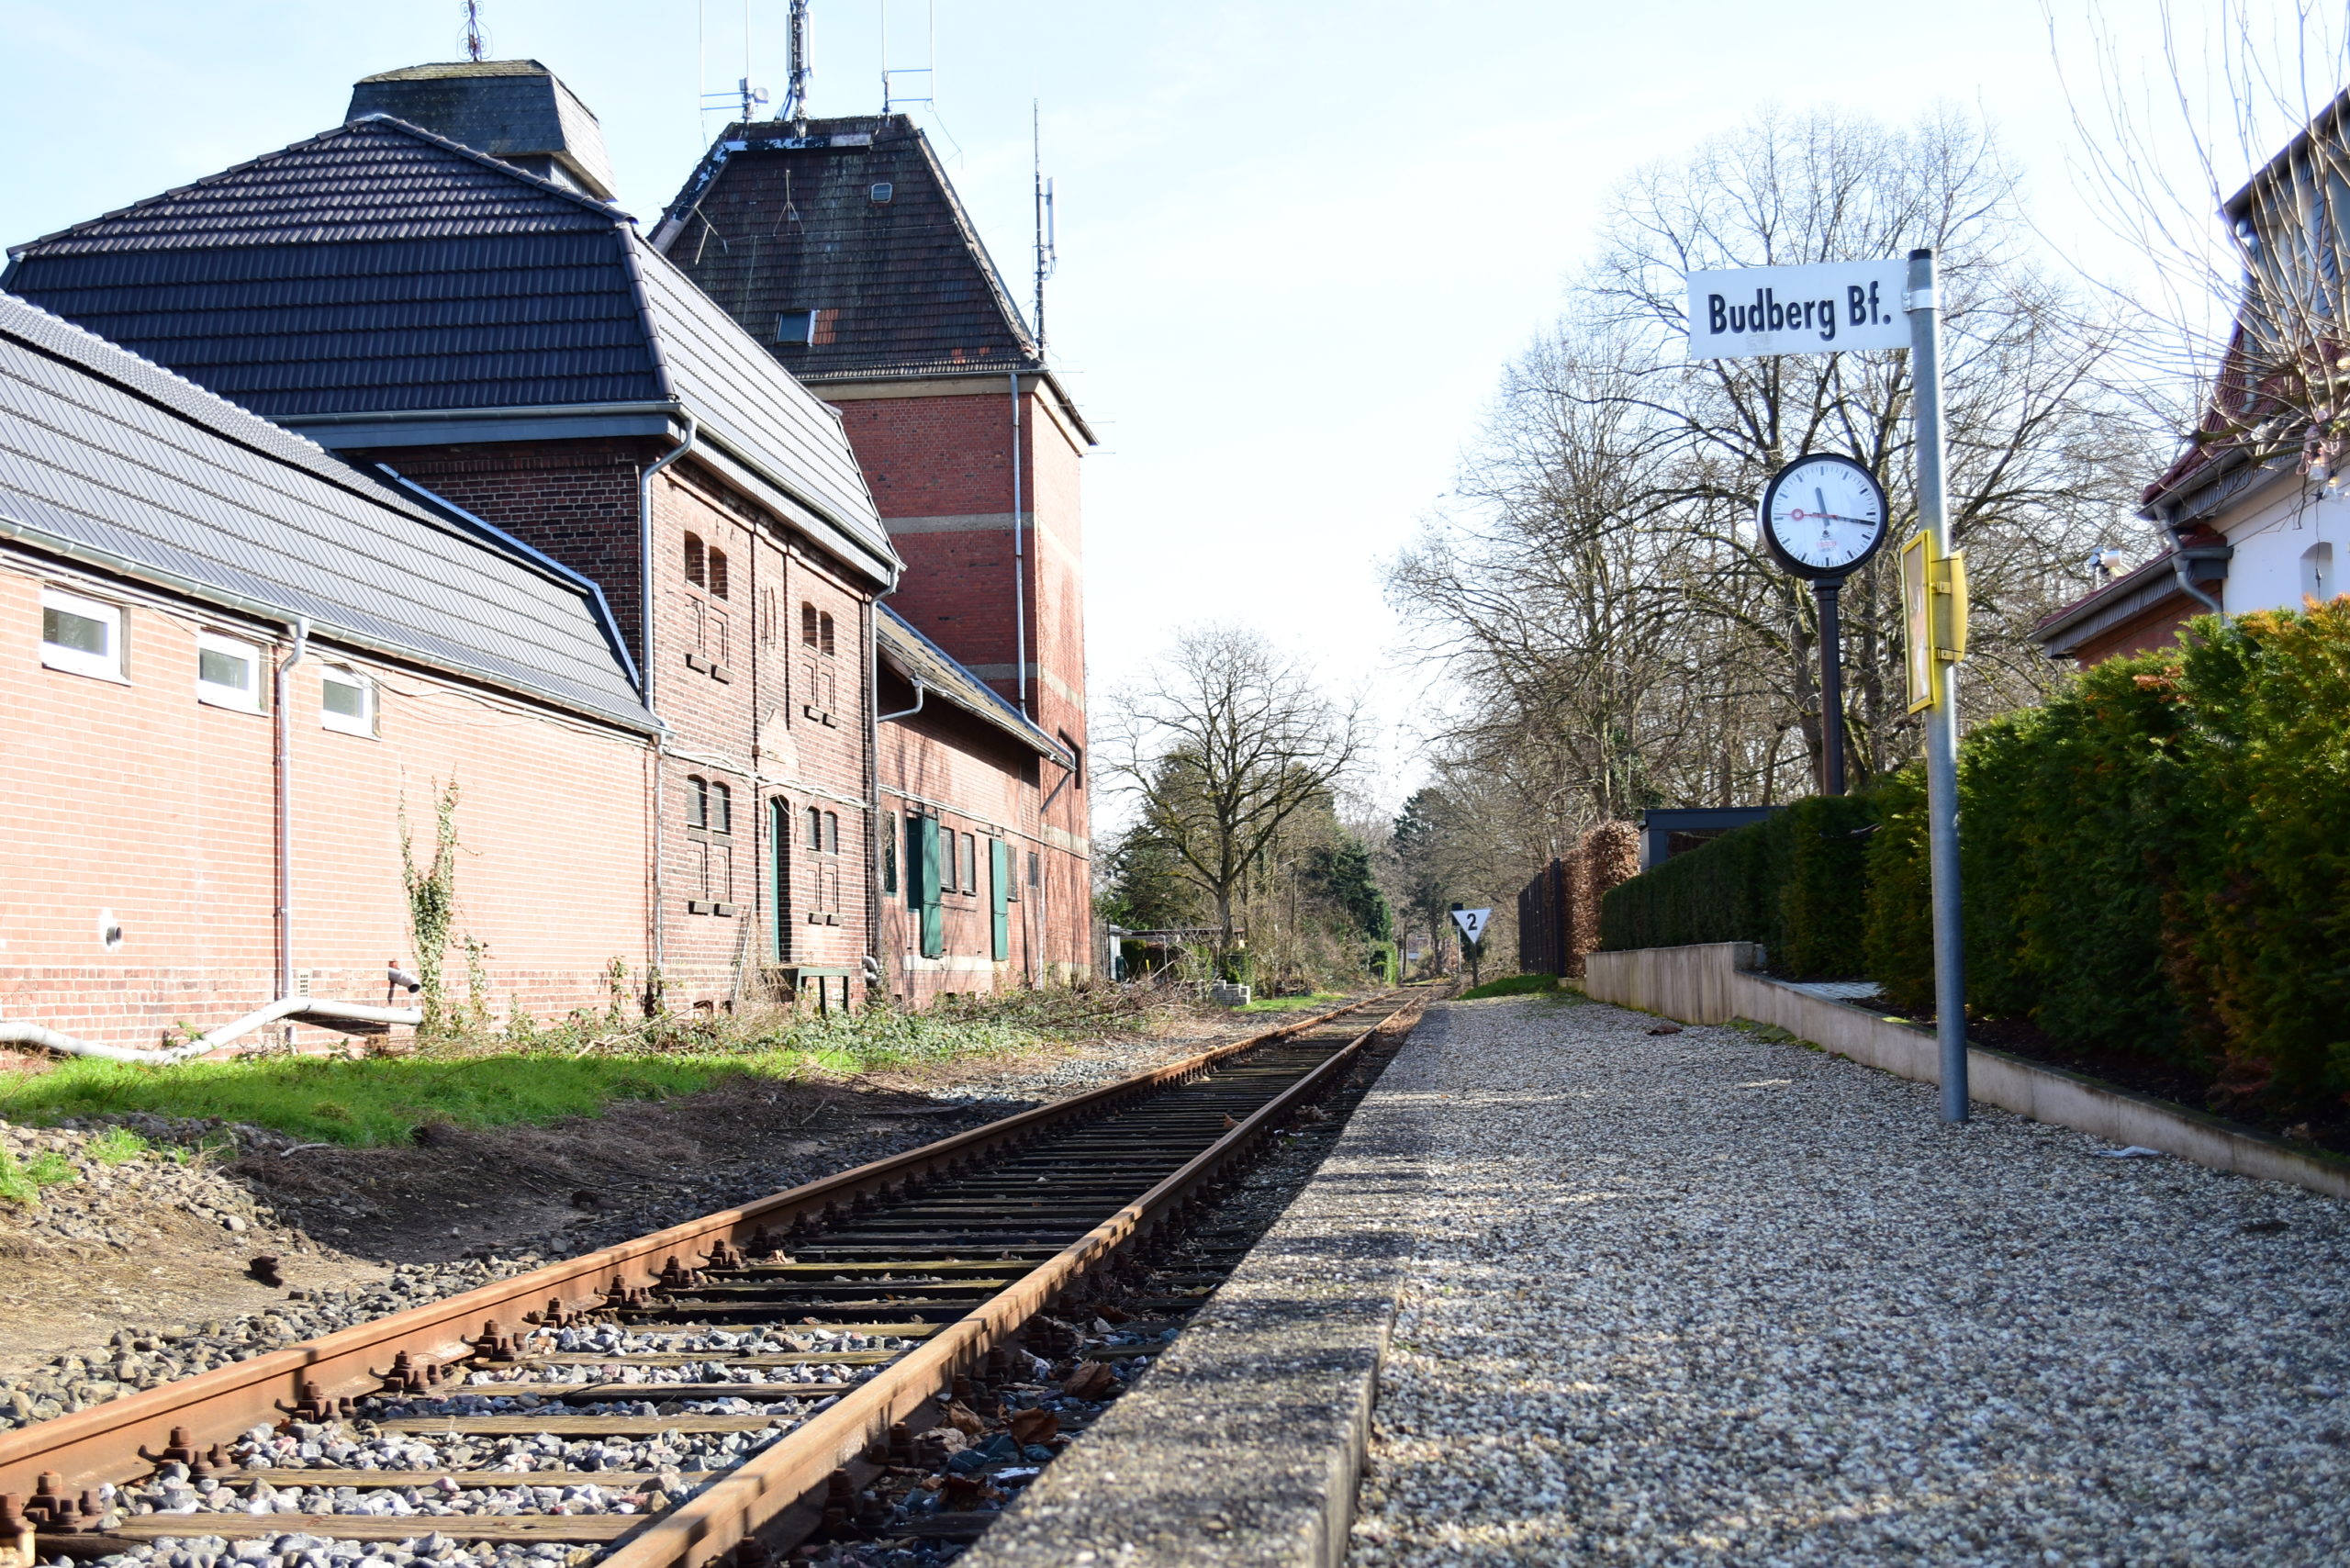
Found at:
(796, 328)
(883, 193)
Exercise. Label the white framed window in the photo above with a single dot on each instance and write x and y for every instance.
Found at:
(347, 702)
(227, 673)
(83, 637)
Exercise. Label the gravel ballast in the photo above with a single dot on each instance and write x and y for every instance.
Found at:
(1707, 1297)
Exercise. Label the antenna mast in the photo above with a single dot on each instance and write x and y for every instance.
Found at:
(476, 43)
(797, 69)
(1048, 259)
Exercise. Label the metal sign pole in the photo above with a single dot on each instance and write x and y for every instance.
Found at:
(1941, 718)
(1832, 687)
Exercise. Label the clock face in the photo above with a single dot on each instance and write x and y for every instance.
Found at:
(1823, 516)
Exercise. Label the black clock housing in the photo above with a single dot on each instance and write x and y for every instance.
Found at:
(1787, 559)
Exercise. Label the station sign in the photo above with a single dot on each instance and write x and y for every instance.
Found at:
(1831, 307)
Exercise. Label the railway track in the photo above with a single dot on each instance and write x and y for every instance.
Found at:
(865, 1367)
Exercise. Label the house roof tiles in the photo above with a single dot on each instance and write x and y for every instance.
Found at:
(109, 459)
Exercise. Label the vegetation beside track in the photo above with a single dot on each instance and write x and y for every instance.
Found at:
(1514, 985)
(474, 1075)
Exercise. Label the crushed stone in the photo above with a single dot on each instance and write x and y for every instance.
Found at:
(1707, 1298)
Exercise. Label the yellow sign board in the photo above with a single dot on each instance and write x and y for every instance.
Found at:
(1934, 604)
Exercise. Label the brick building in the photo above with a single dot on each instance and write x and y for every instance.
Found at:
(841, 245)
(489, 337)
(228, 658)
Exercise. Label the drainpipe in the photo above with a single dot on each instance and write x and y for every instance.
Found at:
(1019, 566)
(2183, 555)
(1044, 920)
(920, 692)
(660, 729)
(300, 627)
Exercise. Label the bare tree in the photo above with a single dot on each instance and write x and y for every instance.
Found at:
(1224, 744)
(2226, 169)
(1618, 636)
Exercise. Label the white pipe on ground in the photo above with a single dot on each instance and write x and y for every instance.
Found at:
(311, 1010)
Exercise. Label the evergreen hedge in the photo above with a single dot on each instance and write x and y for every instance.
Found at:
(1796, 883)
(2156, 863)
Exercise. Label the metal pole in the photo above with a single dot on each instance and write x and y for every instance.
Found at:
(1942, 719)
(1831, 689)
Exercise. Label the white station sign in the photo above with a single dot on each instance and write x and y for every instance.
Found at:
(1830, 308)
(1472, 923)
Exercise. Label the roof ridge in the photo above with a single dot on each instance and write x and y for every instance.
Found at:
(370, 122)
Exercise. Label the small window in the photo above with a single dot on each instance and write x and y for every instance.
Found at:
(696, 557)
(824, 633)
(81, 635)
(970, 878)
(718, 572)
(883, 193)
(796, 328)
(806, 625)
(696, 802)
(890, 853)
(766, 618)
(1077, 758)
(1031, 869)
(831, 832)
(2317, 573)
(227, 673)
(721, 809)
(815, 829)
(347, 702)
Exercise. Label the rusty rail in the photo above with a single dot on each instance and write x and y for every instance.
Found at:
(119, 1440)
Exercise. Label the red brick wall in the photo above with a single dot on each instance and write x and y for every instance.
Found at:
(755, 708)
(574, 499)
(140, 801)
(934, 457)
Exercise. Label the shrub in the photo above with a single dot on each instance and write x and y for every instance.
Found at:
(1795, 883)
(2157, 863)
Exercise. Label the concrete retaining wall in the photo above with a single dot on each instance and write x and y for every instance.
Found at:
(1714, 981)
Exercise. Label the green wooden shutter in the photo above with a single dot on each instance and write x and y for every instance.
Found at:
(999, 891)
(779, 879)
(934, 914)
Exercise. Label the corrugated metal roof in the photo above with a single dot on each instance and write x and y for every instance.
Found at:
(772, 222)
(917, 657)
(109, 457)
(382, 268)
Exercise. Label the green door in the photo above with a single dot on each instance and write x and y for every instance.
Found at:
(999, 893)
(922, 883)
(779, 879)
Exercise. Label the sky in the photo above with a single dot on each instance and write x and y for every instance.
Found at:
(1298, 241)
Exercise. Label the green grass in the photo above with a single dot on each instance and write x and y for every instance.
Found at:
(115, 1145)
(531, 1075)
(21, 1182)
(1514, 985)
(1319, 1001)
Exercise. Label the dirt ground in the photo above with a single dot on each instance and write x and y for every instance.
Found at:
(153, 1242)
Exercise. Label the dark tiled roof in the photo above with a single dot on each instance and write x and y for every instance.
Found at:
(917, 657)
(375, 267)
(772, 222)
(513, 109)
(107, 458)
(381, 268)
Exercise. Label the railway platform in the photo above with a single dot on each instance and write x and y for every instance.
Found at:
(1569, 1291)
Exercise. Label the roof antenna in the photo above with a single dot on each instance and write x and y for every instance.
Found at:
(476, 42)
(797, 70)
(1048, 259)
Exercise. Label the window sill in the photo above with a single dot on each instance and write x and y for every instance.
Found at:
(228, 703)
(720, 673)
(361, 732)
(695, 661)
(87, 672)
